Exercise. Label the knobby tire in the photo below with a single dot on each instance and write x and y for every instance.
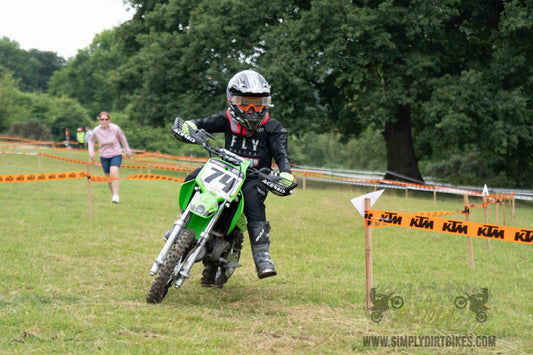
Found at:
(163, 281)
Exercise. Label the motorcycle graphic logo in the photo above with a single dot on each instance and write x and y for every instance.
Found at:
(477, 303)
(381, 302)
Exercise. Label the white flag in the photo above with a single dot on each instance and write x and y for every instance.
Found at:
(359, 202)
(485, 191)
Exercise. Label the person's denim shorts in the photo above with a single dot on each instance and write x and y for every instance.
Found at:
(109, 162)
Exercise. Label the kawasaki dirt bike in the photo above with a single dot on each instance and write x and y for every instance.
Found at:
(211, 225)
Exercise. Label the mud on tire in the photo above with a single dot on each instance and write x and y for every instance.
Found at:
(164, 278)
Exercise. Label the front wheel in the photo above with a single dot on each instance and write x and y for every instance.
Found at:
(164, 279)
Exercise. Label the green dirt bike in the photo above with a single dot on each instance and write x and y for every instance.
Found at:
(211, 225)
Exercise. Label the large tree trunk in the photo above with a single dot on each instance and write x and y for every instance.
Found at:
(402, 164)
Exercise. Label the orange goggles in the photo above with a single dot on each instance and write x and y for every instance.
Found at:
(245, 103)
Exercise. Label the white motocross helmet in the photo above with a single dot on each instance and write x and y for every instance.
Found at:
(248, 95)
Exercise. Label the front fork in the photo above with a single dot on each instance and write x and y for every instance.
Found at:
(185, 271)
(176, 230)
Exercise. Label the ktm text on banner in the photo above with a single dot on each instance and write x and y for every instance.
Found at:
(437, 224)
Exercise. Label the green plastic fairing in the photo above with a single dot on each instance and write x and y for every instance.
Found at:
(238, 218)
(186, 191)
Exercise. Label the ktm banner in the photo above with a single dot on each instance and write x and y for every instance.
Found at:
(152, 177)
(379, 224)
(444, 225)
(102, 178)
(160, 167)
(53, 176)
(42, 177)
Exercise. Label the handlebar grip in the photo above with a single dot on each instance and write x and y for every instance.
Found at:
(273, 182)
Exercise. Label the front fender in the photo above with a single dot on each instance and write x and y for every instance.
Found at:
(201, 209)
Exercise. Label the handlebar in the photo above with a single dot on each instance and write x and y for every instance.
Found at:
(275, 183)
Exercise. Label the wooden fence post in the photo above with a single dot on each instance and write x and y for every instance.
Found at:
(503, 208)
(90, 200)
(470, 246)
(368, 256)
(486, 218)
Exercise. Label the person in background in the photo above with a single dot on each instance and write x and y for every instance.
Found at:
(88, 133)
(80, 137)
(109, 137)
(67, 138)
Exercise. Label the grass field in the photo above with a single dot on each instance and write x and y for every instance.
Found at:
(70, 284)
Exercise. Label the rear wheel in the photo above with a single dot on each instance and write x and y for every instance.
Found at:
(164, 279)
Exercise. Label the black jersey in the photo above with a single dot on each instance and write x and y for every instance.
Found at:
(267, 142)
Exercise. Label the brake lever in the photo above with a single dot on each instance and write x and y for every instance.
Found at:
(200, 136)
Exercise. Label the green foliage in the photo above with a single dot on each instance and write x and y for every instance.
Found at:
(154, 139)
(10, 112)
(470, 113)
(52, 114)
(33, 68)
(469, 167)
(358, 64)
(32, 129)
(62, 113)
(88, 77)
(326, 150)
(461, 81)
(186, 54)
(457, 73)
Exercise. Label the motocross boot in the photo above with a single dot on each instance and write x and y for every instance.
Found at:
(260, 241)
(213, 276)
(208, 276)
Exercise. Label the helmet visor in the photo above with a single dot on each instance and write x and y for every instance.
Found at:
(245, 103)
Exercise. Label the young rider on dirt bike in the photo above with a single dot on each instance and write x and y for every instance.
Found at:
(250, 132)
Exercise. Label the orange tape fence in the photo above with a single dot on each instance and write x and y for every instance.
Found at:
(53, 176)
(429, 222)
(434, 221)
(42, 177)
(159, 166)
(141, 162)
(153, 177)
(80, 174)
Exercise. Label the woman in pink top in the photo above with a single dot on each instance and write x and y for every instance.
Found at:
(110, 137)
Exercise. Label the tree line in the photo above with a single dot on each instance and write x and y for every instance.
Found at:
(440, 88)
